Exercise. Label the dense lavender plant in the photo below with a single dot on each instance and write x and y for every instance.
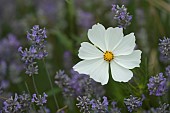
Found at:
(133, 103)
(85, 19)
(78, 85)
(10, 66)
(157, 85)
(36, 50)
(164, 48)
(40, 100)
(87, 105)
(122, 16)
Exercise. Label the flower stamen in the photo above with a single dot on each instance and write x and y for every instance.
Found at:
(108, 56)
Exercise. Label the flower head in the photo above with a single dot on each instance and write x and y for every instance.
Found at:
(164, 48)
(157, 85)
(112, 48)
(133, 103)
(121, 15)
(40, 100)
(168, 71)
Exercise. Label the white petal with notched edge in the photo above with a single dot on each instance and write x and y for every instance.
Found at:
(96, 68)
(120, 73)
(129, 61)
(101, 73)
(88, 51)
(97, 36)
(87, 66)
(113, 36)
(126, 46)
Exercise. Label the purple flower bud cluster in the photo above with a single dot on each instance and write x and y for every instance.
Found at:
(133, 103)
(36, 50)
(40, 100)
(157, 85)
(164, 48)
(96, 105)
(163, 108)
(17, 104)
(167, 71)
(78, 85)
(121, 15)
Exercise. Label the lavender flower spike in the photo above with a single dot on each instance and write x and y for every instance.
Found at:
(40, 100)
(164, 48)
(133, 103)
(157, 85)
(122, 16)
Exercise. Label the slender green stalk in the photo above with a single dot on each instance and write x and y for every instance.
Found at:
(29, 93)
(51, 85)
(36, 90)
(35, 87)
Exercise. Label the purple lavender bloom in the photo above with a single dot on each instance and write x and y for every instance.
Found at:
(167, 71)
(84, 104)
(133, 103)
(37, 38)
(41, 110)
(78, 85)
(17, 104)
(40, 100)
(9, 59)
(36, 50)
(114, 109)
(122, 16)
(164, 48)
(157, 85)
(98, 106)
(85, 19)
(67, 59)
(163, 108)
(83, 85)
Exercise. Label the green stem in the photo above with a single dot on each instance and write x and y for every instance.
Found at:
(51, 85)
(29, 93)
(35, 87)
(36, 90)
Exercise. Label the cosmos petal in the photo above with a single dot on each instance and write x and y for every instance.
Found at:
(120, 73)
(113, 37)
(129, 61)
(97, 36)
(88, 51)
(96, 68)
(126, 46)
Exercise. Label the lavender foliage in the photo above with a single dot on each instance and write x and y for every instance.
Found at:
(157, 85)
(133, 103)
(164, 48)
(121, 15)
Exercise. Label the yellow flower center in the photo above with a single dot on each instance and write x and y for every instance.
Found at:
(108, 56)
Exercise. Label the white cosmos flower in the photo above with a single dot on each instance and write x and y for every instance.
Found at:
(112, 48)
